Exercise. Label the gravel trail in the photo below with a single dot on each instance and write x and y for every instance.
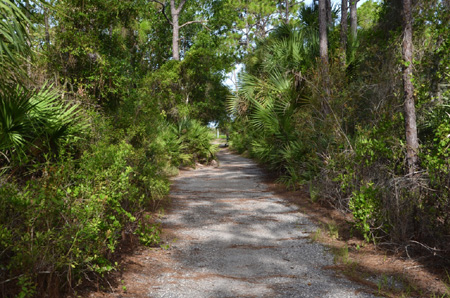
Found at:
(234, 238)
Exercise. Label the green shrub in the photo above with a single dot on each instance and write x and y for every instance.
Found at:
(148, 233)
(36, 122)
(196, 141)
(69, 222)
(365, 207)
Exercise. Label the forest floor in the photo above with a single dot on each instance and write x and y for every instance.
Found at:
(231, 232)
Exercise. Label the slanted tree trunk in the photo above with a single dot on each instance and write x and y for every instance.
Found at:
(353, 20)
(344, 30)
(412, 142)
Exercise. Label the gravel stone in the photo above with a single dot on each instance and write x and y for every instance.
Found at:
(237, 239)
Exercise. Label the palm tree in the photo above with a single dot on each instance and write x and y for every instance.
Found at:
(31, 121)
(272, 92)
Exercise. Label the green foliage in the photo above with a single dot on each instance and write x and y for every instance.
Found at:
(70, 221)
(27, 287)
(368, 14)
(269, 100)
(73, 215)
(364, 205)
(196, 141)
(35, 122)
(148, 233)
(84, 158)
(191, 88)
(14, 41)
(94, 48)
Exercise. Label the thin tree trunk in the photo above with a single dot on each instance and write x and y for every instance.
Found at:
(287, 11)
(412, 142)
(175, 12)
(47, 28)
(175, 38)
(175, 24)
(329, 16)
(47, 38)
(323, 50)
(344, 30)
(247, 35)
(323, 37)
(353, 20)
(28, 8)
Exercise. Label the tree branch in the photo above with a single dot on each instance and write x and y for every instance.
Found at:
(180, 7)
(192, 22)
(163, 10)
(296, 3)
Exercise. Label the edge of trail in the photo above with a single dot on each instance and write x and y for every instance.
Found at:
(232, 232)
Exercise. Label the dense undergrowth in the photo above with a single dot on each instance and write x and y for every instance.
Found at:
(351, 154)
(83, 162)
(66, 209)
(86, 159)
(96, 114)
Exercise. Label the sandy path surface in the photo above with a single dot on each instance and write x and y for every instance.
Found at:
(231, 237)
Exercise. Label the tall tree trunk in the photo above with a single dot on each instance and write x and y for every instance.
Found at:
(287, 12)
(323, 37)
(344, 30)
(47, 38)
(353, 20)
(28, 8)
(329, 16)
(175, 12)
(247, 34)
(47, 28)
(412, 142)
(323, 50)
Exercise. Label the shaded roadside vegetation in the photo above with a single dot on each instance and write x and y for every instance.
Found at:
(100, 104)
(90, 132)
(346, 143)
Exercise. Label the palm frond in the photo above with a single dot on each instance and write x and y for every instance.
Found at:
(34, 117)
(13, 33)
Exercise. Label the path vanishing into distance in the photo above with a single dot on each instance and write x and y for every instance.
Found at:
(232, 237)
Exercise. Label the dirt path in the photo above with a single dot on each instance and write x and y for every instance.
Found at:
(231, 237)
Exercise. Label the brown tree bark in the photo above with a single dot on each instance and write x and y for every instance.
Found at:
(412, 141)
(323, 37)
(329, 15)
(344, 30)
(323, 50)
(175, 14)
(353, 20)
(47, 28)
(287, 11)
